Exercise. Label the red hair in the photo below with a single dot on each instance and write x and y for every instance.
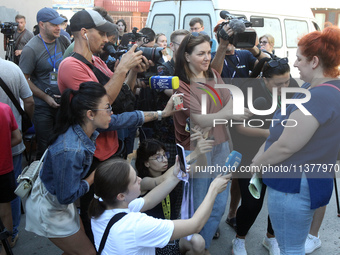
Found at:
(326, 46)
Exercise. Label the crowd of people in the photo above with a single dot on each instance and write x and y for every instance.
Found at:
(88, 102)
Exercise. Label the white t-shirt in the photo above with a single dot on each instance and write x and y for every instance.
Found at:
(135, 233)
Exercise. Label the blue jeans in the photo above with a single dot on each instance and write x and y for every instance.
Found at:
(217, 156)
(16, 203)
(291, 218)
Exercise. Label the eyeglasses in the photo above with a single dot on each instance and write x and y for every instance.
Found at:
(195, 28)
(176, 43)
(263, 42)
(108, 110)
(276, 62)
(159, 158)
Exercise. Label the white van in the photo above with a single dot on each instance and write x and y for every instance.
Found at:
(285, 20)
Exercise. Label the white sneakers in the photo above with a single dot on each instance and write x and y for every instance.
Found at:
(239, 247)
(271, 245)
(312, 243)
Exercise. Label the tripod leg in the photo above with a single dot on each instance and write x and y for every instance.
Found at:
(336, 196)
(3, 237)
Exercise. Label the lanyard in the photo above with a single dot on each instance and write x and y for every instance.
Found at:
(238, 63)
(55, 52)
(166, 207)
(278, 101)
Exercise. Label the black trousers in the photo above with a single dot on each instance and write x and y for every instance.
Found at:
(249, 209)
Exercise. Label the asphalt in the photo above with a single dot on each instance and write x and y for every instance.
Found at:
(31, 244)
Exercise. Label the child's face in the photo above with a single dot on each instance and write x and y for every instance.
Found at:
(157, 163)
(134, 186)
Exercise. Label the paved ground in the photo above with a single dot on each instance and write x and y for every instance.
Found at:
(31, 244)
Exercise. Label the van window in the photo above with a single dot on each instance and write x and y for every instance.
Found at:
(206, 22)
(294, 30)
(163, 23)
(271, 26)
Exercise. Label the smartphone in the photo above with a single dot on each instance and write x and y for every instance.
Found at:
(181, 157)
(178, 103)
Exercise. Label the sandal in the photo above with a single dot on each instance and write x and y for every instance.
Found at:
(231, 222)
(217, 234)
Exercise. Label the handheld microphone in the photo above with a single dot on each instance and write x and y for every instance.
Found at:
(164, 82)
(232, 161)
(260, 103)
(224, 14)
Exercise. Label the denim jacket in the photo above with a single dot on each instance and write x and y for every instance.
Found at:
(67, 162)
(125, 120)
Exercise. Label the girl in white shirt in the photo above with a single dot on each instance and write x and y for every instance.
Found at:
(117, 188)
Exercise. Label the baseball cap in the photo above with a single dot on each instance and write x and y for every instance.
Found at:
(49, 15)
(90, 19)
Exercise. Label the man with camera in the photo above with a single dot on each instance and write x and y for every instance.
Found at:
(229, 62)
(39, 61)
(21, 37)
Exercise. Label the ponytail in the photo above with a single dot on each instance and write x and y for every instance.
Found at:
(74, 105)
(110, 179)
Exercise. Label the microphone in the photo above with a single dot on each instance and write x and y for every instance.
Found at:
(224, 14)
(237, 26)
(232, 162)
(164, 82)
(260, 103)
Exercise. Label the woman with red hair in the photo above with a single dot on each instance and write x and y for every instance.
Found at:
(304, 149)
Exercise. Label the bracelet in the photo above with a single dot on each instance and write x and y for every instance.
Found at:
(159, 115)
(257, 55)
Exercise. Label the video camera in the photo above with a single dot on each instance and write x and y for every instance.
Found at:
(8, 28)
(153, 54)
(241, 38)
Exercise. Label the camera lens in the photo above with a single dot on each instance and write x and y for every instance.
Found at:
(154, 54)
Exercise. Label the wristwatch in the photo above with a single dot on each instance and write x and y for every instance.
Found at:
(159, 115)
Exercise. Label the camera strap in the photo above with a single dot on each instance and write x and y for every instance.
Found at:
(18, 40)
(11, 96)
(102, 78)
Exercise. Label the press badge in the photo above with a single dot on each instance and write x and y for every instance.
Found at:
(54, 78)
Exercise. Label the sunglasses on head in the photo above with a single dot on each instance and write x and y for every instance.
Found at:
(276, 62)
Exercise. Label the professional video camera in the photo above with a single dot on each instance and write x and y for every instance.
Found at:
(8, 28)
(241, 38)
(153, 54)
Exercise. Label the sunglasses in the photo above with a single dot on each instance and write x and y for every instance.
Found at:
(276, 62)
(108, 110)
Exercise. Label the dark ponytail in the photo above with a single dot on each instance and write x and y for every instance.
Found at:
(74, 105)
(110, 179)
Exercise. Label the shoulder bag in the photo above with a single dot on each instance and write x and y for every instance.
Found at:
(28, 176)
(113, 220)
(26, 122)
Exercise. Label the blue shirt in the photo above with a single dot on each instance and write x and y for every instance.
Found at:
(322, 148)
(243, 60)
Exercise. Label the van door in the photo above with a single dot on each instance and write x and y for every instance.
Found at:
(200, 9)
(163, 17)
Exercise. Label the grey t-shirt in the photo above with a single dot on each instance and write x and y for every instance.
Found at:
(36, 61)
(15, 80)
(28, 35)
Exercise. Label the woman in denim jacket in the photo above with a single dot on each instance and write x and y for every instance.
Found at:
(50, 209)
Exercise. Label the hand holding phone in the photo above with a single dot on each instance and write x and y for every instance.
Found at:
(181, 157)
